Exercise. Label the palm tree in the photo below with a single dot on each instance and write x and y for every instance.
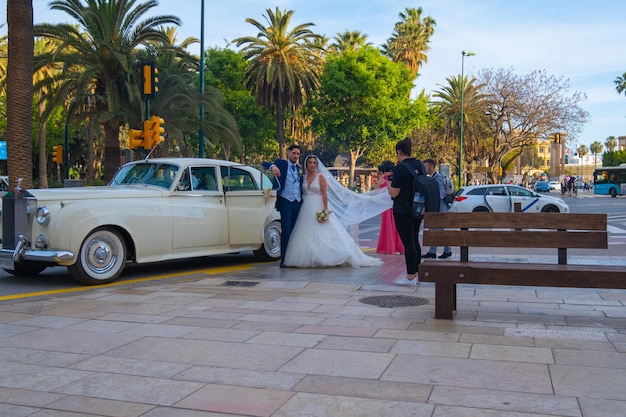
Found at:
(348, 41)
(620, 83)
(99, 57)
(282, 65)
(449, 110)
(595, 148)
(20, 91)
(43, 90)
(610, 143)
(582, 152)
(410, 39)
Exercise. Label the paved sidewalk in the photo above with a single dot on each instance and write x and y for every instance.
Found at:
(300, 343)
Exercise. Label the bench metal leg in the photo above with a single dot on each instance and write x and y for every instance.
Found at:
(445, 299)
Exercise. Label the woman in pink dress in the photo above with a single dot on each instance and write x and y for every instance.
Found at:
(388, 241)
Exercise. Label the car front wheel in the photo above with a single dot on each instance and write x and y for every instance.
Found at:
(270, 250)
(480, 209)
(550, 209)
(101, 258)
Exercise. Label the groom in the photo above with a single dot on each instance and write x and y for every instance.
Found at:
(289, 195)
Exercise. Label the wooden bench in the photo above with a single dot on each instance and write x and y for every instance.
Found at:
(560, 231)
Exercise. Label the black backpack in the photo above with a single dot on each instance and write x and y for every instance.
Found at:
(425, 193)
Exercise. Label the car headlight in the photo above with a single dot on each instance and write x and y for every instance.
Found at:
(43, 215)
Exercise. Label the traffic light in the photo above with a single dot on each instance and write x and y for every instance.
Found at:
(557, 138)
(158, 135)
(499, 171)
(149, 79)
(136, 139)
(153, 132)
(57, 154)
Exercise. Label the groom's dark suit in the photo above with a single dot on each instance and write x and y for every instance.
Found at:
(288, 209)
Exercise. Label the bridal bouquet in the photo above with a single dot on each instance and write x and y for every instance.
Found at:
(322, 216)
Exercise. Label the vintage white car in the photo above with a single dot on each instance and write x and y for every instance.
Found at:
(153, 210)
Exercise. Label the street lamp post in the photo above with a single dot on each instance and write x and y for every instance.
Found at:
(462, 121)
(201, 131)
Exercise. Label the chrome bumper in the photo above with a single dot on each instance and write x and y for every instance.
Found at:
(21, 254)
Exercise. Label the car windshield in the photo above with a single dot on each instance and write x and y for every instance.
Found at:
(158, 174)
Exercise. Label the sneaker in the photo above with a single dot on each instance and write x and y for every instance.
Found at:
(407, 282)
(445, 255)
(429, 255)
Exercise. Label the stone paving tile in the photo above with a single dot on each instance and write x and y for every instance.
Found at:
(29, 398)
(40, 357)
(251, 402)
(71, 341)
(335, 405)
(52, 322)
(203, 352)
(598, 407)
(137, 367)
(512, 353)
(339, 363)
(130, 388)
(242, 377)
(366, 388)
(36, 377)
(87, 405)
(357, 344)
(470, 373)
(589, 382)
(505, 401)
(440, 349)
(180, 412)
(599, 359)
(288, 339)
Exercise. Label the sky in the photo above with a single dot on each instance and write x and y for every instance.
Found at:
(582, 41)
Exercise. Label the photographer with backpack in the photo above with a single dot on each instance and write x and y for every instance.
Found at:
(406, 217)
(431, 170)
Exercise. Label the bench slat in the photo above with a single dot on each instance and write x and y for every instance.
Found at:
(447, 274)
(517, 239)
(568, 221)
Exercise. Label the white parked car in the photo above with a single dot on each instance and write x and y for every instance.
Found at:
(153, 210)
(555, 186)
(502, 198)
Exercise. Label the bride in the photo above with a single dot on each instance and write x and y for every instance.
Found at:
(319, 238)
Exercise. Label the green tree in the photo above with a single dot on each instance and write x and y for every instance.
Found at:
(99, 56)
(225, 70)
(610, 143)
(410, 39)
(19, 88)
(595, 148)
(282, 65)
(522, 108)
(364, 103)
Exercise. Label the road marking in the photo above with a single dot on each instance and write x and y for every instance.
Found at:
(210, 271)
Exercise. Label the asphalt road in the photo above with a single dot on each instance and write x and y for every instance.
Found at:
(58, 279)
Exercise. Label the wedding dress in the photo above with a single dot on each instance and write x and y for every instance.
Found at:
(313, 244)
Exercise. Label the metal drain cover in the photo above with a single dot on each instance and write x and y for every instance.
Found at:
(390, 301)
(240, 283)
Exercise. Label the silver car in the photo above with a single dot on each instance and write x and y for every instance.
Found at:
(502, 198)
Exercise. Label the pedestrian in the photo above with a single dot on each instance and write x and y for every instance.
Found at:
(389, 241)
(401, 190)
(289, 195)
(431, 169)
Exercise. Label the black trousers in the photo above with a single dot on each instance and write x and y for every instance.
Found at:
(408, 230)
